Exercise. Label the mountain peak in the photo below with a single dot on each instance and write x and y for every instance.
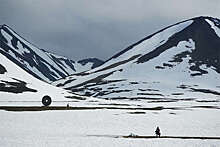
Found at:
(176, 61)
(4, 25)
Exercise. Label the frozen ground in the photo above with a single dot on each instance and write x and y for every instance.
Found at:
(103, 127)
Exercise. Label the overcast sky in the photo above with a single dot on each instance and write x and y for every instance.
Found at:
(80, 29)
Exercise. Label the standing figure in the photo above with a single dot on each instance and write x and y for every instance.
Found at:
(157, 132)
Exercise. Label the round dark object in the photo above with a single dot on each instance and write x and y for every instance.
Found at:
(46, 100)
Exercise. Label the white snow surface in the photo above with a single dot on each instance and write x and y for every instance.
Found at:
(89, 128)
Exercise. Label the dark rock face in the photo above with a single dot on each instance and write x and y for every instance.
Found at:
(96, 62)
(2, 69)
(15, 87)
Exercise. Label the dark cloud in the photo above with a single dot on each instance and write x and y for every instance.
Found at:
(98, 28)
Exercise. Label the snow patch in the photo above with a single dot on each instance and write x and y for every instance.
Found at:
(215, 28)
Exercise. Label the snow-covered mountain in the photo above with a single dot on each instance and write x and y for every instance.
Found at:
(179, 61)
(18, 85)
(38, 62)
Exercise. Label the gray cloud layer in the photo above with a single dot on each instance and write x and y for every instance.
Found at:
(96, 28)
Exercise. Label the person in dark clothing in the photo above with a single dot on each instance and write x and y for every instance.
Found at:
(157, 132)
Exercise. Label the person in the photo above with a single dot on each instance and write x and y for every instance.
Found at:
(68, 106)
(157, 132)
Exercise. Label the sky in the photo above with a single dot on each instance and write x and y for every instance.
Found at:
(80, 29)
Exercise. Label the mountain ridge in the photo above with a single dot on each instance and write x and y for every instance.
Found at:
(189, 49)
(148, 37)
(38, 62)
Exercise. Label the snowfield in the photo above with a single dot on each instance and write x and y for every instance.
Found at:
(98, 128)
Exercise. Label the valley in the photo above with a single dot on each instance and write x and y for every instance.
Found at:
(168, 79)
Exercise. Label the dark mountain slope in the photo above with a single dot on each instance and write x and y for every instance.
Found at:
(38, 62)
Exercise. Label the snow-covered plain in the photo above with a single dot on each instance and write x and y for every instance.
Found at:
(98, 128)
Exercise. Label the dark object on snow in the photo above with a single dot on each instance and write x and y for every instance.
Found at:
(46, 100)
(68, 105)
(157, 132)
(2, 69)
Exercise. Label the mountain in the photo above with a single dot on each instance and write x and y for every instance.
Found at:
(18, 85)
(38, 62)
(179, 61)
